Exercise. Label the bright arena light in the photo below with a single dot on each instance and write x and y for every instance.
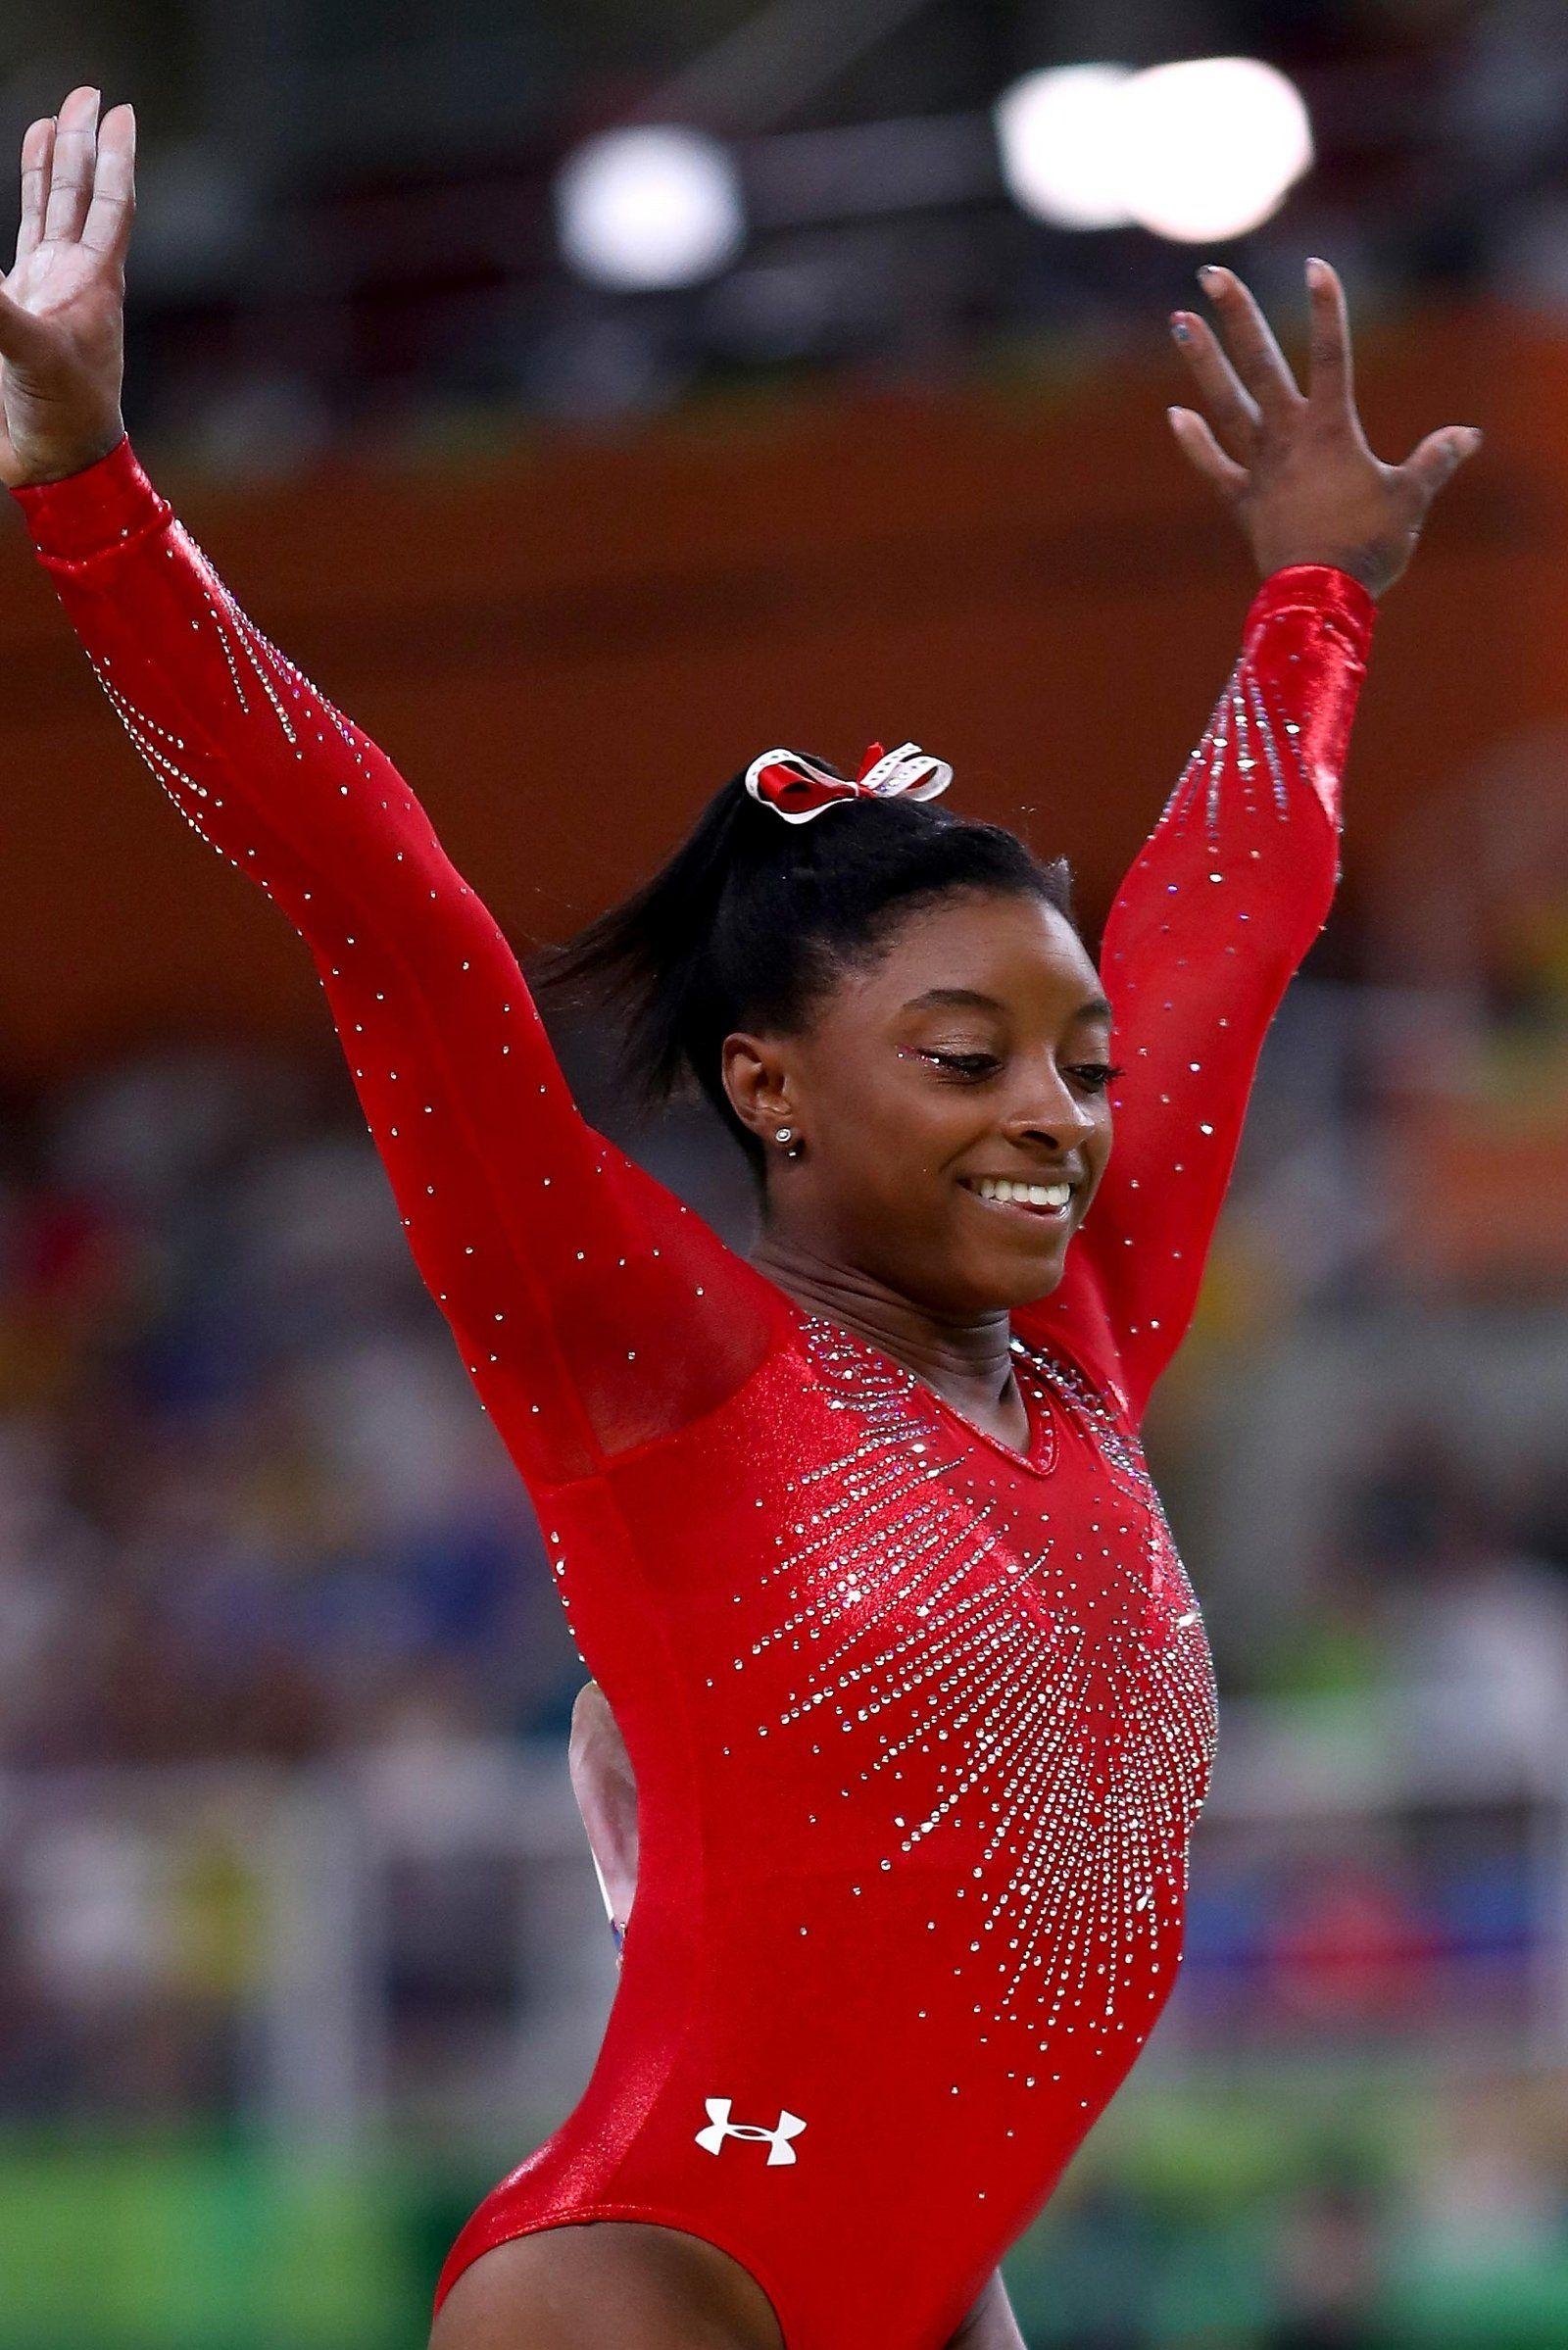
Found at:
(1195, 151)
(1209, 148)
(649, 207)
(1059, 145)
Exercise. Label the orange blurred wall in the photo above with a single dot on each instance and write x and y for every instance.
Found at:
(568, 649)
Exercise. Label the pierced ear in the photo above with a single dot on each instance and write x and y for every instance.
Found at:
(756, 1085)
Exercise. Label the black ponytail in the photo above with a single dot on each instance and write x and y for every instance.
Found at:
(747, 923)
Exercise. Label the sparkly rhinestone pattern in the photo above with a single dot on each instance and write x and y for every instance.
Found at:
(1231, 888)
(921, 1724)
(1061, 1697)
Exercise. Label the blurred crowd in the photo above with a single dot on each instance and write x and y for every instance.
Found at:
(249, 1505)
(1440, 1576)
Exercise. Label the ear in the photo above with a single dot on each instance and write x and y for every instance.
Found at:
(758, 1083)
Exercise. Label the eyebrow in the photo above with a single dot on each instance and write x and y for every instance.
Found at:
(965, 998)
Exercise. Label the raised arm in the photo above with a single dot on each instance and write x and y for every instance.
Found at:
(1207, 929)
(591, 1310)
(1236, 879)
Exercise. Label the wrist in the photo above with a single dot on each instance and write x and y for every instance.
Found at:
(1331, 596)
(49, 462)
(1369, 570)
(103, 506)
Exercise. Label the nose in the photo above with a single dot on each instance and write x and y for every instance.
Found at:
(1051, 1115)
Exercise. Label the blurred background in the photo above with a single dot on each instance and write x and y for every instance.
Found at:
(588, 395)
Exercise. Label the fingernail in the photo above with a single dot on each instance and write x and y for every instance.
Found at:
(1314, 270)
(1179, 327)
(1210, 275)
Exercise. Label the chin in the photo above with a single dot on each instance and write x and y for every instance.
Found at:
(1030, 1290)
(1033, 1273)
(1007, 1286)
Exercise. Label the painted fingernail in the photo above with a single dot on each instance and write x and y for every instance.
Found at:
(1179, 327)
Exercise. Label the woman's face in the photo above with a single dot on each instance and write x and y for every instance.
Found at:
(974, 1052)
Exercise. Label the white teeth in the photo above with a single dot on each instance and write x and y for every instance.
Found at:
(1031, 1194)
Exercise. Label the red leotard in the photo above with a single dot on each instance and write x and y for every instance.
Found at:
(921, 1724)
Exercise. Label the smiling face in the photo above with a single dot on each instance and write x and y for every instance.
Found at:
(944, 1095)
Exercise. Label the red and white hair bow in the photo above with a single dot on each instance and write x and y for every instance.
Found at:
(798, 789)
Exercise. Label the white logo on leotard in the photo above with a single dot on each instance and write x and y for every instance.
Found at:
(720, 2126)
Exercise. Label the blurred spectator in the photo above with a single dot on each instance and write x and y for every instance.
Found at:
(244, 1483)
(1329, 2262)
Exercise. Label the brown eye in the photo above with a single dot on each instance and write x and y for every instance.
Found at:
(1095, 1075)
(965, 1064)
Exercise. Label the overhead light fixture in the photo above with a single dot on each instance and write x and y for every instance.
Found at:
(1058, 140)
(650, 207)
(1196, 152)
(1212, 147)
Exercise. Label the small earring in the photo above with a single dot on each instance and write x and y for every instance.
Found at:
(786, 1135)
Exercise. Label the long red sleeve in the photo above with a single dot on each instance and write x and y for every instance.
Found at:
(593, 1310)
(1221, 905)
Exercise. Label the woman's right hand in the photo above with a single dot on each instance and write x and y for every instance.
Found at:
(61, 339)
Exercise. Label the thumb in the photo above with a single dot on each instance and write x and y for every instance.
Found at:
(23, 339)
(1435, 462)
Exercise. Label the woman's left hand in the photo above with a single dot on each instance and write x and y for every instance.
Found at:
(606, 1788)
(1295, 468)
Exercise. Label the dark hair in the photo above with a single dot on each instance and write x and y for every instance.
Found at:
(750, 921)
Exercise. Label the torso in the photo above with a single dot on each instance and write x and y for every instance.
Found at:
(921, 1719)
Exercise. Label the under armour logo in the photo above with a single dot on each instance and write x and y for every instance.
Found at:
(720, 2126)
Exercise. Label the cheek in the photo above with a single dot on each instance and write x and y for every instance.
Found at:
(897, 1133)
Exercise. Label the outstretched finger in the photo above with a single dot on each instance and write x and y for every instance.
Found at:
(106, 227)
(1330, 384)
(37, 162)
(1232, 412)
(70, 180)
(1196, 440)
(1433, 464)
(1250, 340)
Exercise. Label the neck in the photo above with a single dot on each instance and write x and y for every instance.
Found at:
(968, 1360)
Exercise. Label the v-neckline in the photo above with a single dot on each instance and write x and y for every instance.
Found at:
(1039, 1457)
